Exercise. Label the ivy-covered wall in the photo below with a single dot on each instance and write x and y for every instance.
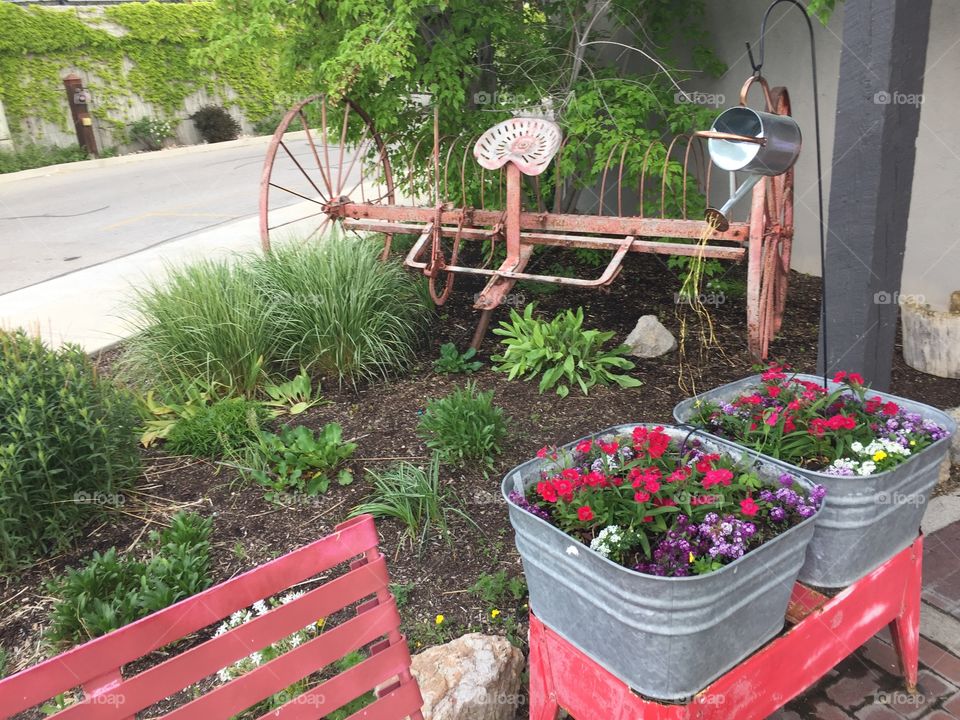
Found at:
(137, 59)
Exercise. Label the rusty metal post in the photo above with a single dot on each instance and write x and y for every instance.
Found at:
(78, 98)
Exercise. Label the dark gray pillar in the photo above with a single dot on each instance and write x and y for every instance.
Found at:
(878, 115)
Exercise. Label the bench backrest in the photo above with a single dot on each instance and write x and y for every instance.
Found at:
(96, 665)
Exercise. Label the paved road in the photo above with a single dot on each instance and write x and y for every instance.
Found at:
(82, 216)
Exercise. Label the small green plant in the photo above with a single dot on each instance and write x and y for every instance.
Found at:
(491, 588)
(160, 417)
(464, 426)
(151, 132)
(66, 436)
(412, 495)
(34, 156)
(215, 124)
(401, 592)
(109, 591)
(560, 352)
(452, 360)
(298, 461)
(292, 397)
(222, 428)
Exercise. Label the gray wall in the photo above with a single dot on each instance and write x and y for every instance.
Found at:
(933, 236)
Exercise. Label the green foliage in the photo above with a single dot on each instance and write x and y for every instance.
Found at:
(159, 417)
(452, 360)
(822, 9)
(109, 591)
(66, 437)
(492, 588)
(293, 396)
(298, 461)
(412, 495)
(331, 308)
(34, 156)
(151, 132)
(154, 57)
(215, 124)
(401, 592)
(560, 352)
(464, 426)
(222, 428)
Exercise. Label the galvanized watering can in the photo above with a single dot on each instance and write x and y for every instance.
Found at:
(741, 139)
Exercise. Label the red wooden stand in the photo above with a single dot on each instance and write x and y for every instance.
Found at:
(823, 631)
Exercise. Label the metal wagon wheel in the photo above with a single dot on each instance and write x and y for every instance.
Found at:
(335, 155)
(771, 240)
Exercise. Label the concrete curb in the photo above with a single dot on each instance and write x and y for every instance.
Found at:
(249, 141)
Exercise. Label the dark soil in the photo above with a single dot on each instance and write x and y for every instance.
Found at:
(248, 530)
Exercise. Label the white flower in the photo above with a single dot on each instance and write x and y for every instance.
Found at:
(295, 640)
(606, 540)
(236, 618)
(256, 657)
(260, 607)
(857, 447)
(223, 675)
(291, 596)
(868, 467)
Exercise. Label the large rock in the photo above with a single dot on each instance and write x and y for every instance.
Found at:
(475, 677)
(650, 338)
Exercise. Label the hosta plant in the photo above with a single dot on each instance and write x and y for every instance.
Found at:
(845, 431)
(561, 353)
(298, 461)
(648, 502)
(453, 361)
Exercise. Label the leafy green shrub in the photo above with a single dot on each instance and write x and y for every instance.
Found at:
(463, 426)
(330, 307)
(215, 124)
(412, 495)
(293, 396)
(339, 310)
(150, 131)
(492, 588)
(222, 428)
(298, 461)
(560, 352)
(160, 416)
(206, 321)
(452, 360)
(109, 591)
(34, 156)
(65, 436)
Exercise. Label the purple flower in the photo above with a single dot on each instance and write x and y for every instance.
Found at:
(518, 499)
(778, 514)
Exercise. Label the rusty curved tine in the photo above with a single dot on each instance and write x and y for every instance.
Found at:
(558, 181)
(623, 156)
(446, 166)
(603, 178)
(643, 172)
(664, 175)
(410, 164)
(313, 148)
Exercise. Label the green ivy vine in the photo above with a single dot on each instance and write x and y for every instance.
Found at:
(150, 50)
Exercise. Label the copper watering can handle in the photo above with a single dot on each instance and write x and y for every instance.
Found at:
(766, 92)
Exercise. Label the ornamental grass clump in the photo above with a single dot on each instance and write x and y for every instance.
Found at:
(845, 431)
(464, 426)
(648, 502)
(67, 446)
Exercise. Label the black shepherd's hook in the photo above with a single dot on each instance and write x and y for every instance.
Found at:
(757, 66)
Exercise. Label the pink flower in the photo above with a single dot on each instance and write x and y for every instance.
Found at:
(641, 496)
(585, 513)
(720, 476)
(748, 507)
(542, 452)
(772, 418)
(584, 446)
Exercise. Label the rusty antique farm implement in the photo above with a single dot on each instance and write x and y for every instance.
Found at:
(331, 160)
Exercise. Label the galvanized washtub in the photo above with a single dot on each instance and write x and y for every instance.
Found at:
(667, 638)
(867, 520)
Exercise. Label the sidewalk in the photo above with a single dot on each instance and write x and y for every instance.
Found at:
(88, 306)
(867, 685)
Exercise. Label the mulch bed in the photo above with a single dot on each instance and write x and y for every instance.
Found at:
(248, 530)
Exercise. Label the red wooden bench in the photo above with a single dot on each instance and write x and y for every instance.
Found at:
(96, 665)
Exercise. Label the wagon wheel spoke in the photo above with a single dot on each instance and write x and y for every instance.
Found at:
(306, 176)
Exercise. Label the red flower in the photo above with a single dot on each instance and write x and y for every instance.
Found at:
(571, 474)
(721, 476)
(754, 399)
(774, 372)
(680, 474)
(564, 488)
(818, 426)
(546, 490)
(841, 422)
(650, 442)
(793, 405)
(855, 379)
(773, 390)
(652, 486)
(585, 513)
(873, 404)
(594, 478)
(748, 507)
(641, 496)
(706, 462)
(840, 376)
(584, 446)
(542, 452)
(772, 418)
(891, 408)
(608, 448)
